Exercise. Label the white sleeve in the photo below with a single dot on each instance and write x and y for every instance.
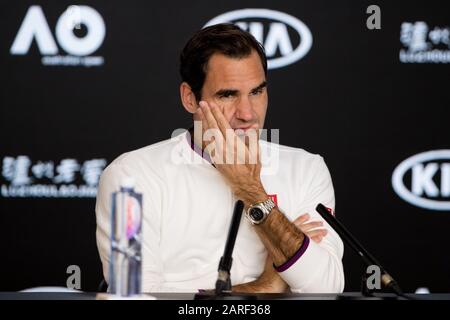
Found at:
(319, 269)
(151, 259)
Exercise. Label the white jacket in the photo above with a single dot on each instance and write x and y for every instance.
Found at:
(187, 209)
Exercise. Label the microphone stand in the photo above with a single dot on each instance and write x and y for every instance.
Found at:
(386, 280)
(223, 284)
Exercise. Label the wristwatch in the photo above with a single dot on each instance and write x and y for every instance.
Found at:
(258, 212)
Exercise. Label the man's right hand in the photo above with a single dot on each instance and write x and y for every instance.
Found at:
(270, 281)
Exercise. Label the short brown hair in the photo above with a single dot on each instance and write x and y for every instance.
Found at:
(224, 38)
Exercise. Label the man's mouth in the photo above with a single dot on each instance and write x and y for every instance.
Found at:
(244, 129)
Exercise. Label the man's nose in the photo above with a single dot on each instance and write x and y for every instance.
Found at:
(244, 109)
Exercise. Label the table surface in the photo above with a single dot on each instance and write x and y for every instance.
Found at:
(191, 296)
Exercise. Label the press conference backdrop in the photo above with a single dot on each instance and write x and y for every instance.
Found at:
(368, 89)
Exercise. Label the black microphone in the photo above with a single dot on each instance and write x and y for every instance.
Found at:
(223, 283)
(387, 281)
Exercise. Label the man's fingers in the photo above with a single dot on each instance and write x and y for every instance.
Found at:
(205, 126)
(317, 233)
(313, 229)
(301, 219)
(212, 123)
(221, 121)
(236, 151)
(202, 117)
(317, 239)
(311, 225)
(212, 133)
(253, 145)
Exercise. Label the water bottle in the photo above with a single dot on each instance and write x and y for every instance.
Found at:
(126, 241)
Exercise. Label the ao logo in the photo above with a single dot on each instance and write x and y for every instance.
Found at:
(35, 26)
(277, 34)
(424, 168)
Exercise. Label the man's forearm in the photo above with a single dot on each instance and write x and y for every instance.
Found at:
(260, 286)
(281, 238)
(268, 282)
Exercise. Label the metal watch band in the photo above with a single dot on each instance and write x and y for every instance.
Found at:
(268, 205)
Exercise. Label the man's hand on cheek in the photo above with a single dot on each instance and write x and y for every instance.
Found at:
(239, 164)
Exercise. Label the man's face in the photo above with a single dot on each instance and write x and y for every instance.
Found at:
(238, 87)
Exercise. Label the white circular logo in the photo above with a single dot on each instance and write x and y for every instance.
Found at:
(277, 38)
(425, 168)
(95, 30)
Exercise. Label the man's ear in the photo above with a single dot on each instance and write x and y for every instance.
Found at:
(188, 98)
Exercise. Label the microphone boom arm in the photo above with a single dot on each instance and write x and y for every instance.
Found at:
(387, 281)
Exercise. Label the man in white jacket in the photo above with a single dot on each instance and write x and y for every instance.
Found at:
(191, 182)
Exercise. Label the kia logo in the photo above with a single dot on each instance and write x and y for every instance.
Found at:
(430, 180)
(277, 38)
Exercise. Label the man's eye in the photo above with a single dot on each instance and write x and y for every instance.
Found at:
(227, 95)
(255, 93)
